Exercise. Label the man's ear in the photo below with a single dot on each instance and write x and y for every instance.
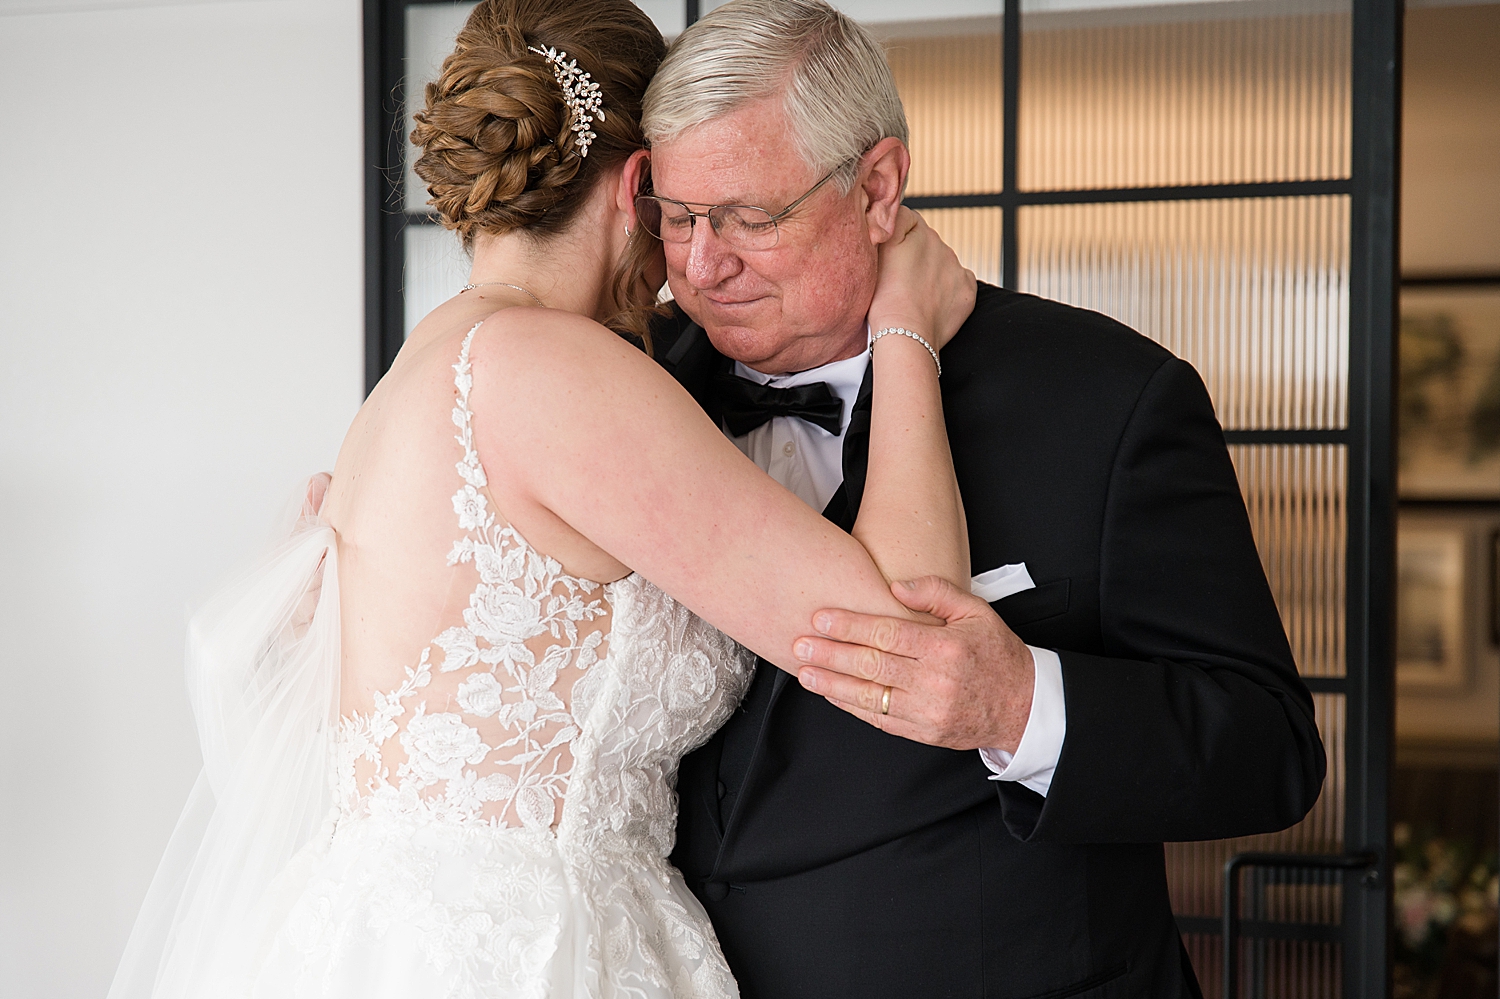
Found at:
(634, 179)
(882, 178)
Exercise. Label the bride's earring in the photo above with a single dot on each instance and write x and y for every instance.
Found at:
(627, 230)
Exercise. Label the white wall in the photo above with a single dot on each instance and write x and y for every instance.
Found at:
(180, 339)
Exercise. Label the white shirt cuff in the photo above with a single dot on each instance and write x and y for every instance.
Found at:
(1035, 759)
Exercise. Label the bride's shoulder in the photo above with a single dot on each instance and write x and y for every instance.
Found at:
(548, 348)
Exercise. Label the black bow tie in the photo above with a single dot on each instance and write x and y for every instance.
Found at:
(746, 405)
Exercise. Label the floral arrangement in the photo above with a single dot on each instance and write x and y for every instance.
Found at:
(1445, 897)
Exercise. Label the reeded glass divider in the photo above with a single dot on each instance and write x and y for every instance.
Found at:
(974, 234)
(436, 268)
(1252, 292)
(1296, 498)
(1144, 97)
(951, 89)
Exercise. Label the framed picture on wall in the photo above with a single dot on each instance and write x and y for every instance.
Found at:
(1430, 648)
(1495, 588)
(1448, 414)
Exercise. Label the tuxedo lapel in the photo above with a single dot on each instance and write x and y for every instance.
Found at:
(692, 359)
(857, 448)
(841, 510)
(843, 506)
(694, 362)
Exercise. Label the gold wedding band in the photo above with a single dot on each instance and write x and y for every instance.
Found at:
(885, 702)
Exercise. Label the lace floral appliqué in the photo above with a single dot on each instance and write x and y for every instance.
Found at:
(515, 789)
(502, 746)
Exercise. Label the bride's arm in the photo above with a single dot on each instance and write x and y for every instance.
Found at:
(574, 420)
(911, 517)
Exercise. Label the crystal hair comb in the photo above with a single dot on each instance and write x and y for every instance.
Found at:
(580, 94)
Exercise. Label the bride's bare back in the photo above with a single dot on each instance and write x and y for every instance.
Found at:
(454, 621)
(509, 731)
(461, 642)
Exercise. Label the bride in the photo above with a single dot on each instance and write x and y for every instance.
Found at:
(441, 721)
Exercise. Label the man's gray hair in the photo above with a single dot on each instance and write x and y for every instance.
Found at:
(840, 97)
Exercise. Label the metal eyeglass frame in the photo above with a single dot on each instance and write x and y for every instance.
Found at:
(693, 216)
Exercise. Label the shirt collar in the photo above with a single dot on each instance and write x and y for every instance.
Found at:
(843, 377)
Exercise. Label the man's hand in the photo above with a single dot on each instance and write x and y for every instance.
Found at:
(964, 684)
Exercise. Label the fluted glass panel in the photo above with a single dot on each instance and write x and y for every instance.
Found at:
(974, 234)
(1296, 499)
(430, 31)
(1212, 101)
(950, 87)
(1253, 292)
(436, 268)
(1195, 877)
(669, 15)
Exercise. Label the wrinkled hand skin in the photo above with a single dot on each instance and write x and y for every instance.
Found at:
(963, 684)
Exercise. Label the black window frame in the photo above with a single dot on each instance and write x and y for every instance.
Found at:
(1373, 190)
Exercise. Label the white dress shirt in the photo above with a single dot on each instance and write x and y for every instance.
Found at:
(809, 461)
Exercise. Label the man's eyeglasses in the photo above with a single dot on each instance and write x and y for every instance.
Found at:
(744, 227)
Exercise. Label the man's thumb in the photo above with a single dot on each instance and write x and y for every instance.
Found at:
(934, 595)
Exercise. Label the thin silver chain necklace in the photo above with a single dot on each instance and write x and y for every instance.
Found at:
(503, 284)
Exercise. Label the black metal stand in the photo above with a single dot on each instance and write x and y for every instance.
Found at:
(1235, 926)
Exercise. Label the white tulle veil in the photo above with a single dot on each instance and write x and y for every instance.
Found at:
(263, 679)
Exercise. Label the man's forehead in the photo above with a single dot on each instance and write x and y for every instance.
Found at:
(726, 180)
(746, 156)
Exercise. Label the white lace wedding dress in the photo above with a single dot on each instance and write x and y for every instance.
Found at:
(499, 811)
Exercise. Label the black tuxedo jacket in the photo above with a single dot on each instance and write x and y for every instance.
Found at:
(838, 861)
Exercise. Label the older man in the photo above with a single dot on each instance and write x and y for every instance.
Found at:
(1130, 681)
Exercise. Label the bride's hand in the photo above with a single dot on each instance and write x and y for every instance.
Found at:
(317, 489)
(922, 286)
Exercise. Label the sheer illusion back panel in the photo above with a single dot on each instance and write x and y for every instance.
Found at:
(479, 723)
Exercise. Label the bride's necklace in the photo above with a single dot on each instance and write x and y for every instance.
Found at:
(503, 284)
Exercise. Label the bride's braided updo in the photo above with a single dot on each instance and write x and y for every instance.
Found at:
(498, 150)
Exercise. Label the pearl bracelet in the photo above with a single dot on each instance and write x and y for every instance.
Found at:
(915, 336)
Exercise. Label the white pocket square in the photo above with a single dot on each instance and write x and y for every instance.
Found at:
(997, 584)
